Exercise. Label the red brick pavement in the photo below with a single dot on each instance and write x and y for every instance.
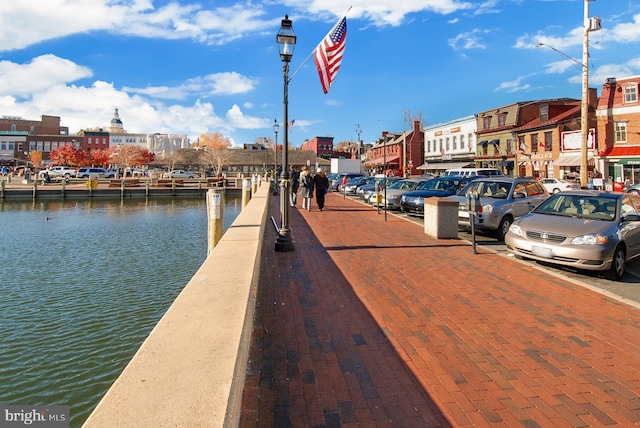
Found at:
(373, 323)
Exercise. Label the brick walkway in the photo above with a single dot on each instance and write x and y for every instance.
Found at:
(373, 323)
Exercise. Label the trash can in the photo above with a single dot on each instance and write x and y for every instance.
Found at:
(441, 218)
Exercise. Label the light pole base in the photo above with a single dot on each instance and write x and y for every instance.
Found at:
(284, 242)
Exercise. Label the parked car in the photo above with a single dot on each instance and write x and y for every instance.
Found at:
(180, 173)
(502, 200)
(351, 188)
(555, 185)
(58, 171)
(89, 172)
(412, 202)
(336, 179)
(365, 192)
(390, 197)
(583, 229)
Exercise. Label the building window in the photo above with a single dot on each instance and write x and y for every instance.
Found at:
(455, 143)
(510, 146)
(534, 143)
(89, 140)
(13, 127)
(621, 132)
(447, 146)
(486, 122)
(631, 94)
(47, 146)
(544, 112)
(548, 141)
(502, 119)
(461, 142)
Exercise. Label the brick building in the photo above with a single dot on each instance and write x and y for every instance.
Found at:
(618, 129)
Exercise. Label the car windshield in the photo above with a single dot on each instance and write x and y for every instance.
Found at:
(442, 184)
(403, 184)
(489, 189)
(589, 207)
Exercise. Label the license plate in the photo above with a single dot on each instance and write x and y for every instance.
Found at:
(542, 252)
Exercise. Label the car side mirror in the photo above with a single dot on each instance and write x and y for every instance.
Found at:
(631, 217)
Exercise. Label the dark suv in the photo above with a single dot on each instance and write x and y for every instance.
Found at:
(412, 202)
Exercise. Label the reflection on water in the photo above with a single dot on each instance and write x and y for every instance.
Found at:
(82, 285)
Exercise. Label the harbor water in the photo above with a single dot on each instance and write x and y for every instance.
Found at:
(82, 284)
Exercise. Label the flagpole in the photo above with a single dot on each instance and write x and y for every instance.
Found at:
(314, 49)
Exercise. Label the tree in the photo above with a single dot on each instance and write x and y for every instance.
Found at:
(217, 150)
(129, 156)
(67, 154)
(214, 140)
(216, 158)
(35, 157)
(99, 157)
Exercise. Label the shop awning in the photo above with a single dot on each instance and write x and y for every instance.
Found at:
(380, 161)
(495, 142)
(444, 165)
(572, 159)
(483, 143)
(506, 163)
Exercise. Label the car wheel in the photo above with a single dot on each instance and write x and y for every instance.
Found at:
(634, 191)
(618, 264)
(67, 176)
(556, 191)
(503, 228)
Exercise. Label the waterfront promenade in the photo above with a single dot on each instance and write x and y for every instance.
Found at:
(373, 323)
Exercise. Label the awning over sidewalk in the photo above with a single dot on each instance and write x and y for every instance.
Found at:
(381, 161)
(573, 159)
(444, 165)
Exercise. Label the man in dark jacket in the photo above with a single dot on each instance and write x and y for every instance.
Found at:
(295, 183)
(321, 185)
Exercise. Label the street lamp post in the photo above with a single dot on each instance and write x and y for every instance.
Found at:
(276, 127)
(286, 43)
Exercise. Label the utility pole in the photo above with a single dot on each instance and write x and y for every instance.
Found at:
(590, 24)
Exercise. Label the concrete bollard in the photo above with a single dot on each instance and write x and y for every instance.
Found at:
(254, 183)
(215, 215)
(246, 191)
(441, 218)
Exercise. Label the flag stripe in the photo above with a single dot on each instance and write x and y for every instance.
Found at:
(328, 54)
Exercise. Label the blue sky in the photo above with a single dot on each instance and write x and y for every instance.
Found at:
(190, 67)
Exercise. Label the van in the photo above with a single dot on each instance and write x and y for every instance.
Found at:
(470, 172)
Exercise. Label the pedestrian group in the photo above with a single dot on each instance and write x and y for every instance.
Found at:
(308, 185)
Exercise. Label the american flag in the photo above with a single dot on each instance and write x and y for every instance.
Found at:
(328, 54)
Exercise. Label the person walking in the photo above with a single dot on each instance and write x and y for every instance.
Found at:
(321, 187)
(306, 188)
(295, 183)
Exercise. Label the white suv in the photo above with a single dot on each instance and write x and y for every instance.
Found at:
(86, 172)
(58, 172)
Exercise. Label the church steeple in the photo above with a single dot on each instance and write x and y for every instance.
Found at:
(116, 124)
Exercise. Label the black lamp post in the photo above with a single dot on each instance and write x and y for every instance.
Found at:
(286, 43)
(276, 127)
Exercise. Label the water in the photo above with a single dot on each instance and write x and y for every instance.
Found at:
(82, 285)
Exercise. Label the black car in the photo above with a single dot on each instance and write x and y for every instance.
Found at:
(412, 202)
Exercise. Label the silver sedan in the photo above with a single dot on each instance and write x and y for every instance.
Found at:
(589, 230)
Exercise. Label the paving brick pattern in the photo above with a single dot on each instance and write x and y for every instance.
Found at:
(370, 322)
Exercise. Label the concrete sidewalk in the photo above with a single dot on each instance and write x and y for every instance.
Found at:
(373, 323)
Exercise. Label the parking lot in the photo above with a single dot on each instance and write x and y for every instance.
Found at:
(627, 290)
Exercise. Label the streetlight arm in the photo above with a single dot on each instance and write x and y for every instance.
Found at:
(570, 58)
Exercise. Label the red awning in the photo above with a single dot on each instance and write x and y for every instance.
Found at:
(621, 151)
(380, 161)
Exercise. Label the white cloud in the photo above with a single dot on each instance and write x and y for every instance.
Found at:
(228, 83)
(468, 40)
(513, 86)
